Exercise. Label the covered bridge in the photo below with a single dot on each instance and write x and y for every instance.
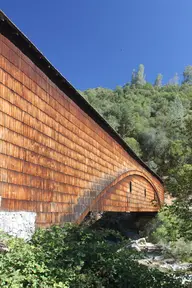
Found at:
(58, 157)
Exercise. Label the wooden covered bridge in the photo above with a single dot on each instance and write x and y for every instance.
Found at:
(58, 157)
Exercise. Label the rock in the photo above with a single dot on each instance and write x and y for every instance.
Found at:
(95, 216)
(141, 245)
(188, 265)
(155, 259)
(158, 258)
(135, 247)
(169, 261)
(19, 224)
(141, 242)
(181, 266)
(144, 262)
(152, 247)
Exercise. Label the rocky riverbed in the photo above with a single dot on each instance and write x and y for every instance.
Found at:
(154, 256)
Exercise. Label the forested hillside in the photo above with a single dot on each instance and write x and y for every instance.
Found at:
(152, 119)
(156, 121)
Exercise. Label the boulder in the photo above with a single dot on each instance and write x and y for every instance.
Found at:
(141, 242)
(135, 247)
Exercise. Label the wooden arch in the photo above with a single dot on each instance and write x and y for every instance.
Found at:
(115, 182)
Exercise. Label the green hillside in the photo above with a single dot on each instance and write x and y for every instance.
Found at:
(152, 119)
(156, 121)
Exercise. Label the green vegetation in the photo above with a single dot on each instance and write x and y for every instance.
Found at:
(156, 118)
(74, 256)
(174, 223)
(170, 232)
(156, 122)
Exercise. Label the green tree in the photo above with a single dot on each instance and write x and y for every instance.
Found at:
(134, 145)
(133, 77)
(187, 75)
(188, 131)
(140, 76)
(158, 80)
(126, 122)
(77, 257)
(175, 80)
(155, 118)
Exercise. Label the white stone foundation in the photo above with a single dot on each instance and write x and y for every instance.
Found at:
(18, 224)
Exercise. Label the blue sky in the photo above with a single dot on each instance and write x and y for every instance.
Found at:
(99, 42)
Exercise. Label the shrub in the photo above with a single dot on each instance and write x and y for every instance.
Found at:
(182, 249)
(167, 226)
(75, 256)
(167, 230)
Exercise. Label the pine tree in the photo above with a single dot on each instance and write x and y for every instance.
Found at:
(187, 75)
(133, 77)
(174, 80)
(158, 80)
(140, 77)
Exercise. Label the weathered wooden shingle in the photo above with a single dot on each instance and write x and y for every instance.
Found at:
(58, 156)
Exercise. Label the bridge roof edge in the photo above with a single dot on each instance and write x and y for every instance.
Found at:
(11, 32)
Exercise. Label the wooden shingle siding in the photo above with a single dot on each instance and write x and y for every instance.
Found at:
(55, 159)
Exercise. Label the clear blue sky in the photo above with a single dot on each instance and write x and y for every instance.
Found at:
(99, 42)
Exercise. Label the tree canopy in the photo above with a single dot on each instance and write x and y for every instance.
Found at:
(153, 119)
(156, 122)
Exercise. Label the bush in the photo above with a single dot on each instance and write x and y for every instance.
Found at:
(74, 256)
(167, 229)
(167, 226)
(182, 249)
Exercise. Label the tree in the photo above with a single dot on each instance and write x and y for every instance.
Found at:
(187, 75)
(180, 185)
(126, 123)
(158, 80)
(133, 77)
(158, 119)
(140, 76)
(188, 132)
(134, 145)
(175, 80)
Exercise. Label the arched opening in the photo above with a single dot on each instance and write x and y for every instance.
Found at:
(112, 198)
